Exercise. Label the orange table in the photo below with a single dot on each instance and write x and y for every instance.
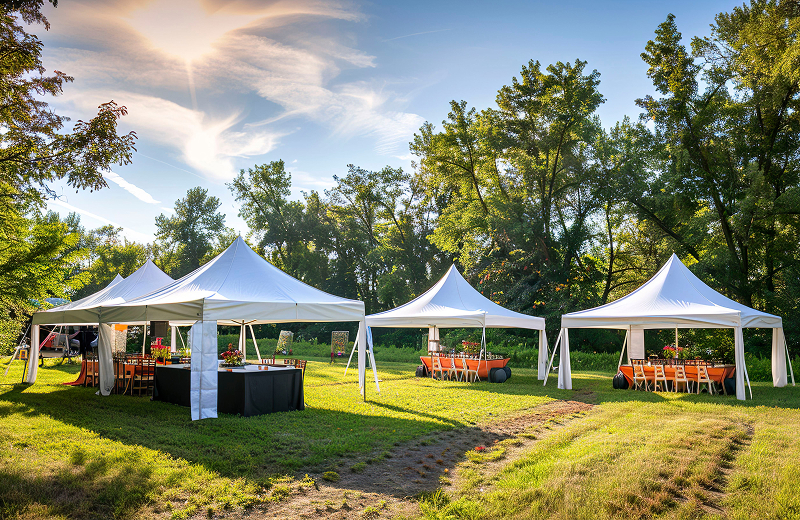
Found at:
(718, 373)
(484, 366)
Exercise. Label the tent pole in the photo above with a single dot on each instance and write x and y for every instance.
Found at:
(351, 355)
(553, 356)
(144, 338)
(788, 359)
(624, 345)
(371, 347)
(676, 341)
(258, 352)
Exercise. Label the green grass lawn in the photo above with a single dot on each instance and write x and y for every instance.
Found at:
(68, 453)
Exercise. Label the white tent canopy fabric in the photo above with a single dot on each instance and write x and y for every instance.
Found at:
(237, 287)
(86, 311)
(144, 280)
(451, 303)
(676, 298)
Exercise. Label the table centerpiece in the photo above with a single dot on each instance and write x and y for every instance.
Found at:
(232, 358)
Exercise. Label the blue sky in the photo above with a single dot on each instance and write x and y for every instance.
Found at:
(213, 87)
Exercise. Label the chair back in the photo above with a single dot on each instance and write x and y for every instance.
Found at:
(702, 373)
(659, 372)
(680, 372)
(638, 371)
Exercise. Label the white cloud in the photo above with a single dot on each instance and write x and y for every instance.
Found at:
(205, 144)
(129, 233)
(220, 54)
(134, 190)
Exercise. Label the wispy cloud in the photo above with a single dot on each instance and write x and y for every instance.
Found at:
(230, 51)
(208, 145)
(134, 190)
(416, 34)
(129, 233)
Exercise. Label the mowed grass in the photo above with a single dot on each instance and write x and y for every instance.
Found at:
(68, 453)
(645, 455)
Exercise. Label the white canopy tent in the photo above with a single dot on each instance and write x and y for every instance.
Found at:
(86, 311)
(453, 303)
(238, 287)
(676, 298)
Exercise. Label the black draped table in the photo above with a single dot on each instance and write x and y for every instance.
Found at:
(241, 391)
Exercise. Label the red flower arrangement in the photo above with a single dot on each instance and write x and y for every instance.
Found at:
(671, 352)
(232, 357)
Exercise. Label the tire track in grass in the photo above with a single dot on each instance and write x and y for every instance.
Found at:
(390, 483)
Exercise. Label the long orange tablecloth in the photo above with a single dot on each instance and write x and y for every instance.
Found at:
(718, 373)
(482, 365)
(91, 366)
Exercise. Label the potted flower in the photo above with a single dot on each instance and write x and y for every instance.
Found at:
(160, 353)
(232, 358)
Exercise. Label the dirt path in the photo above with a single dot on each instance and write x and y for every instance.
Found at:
(388, 488)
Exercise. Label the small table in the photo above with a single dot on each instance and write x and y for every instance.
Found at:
(243, 391)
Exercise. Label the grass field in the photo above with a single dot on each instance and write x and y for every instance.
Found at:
(68, 453)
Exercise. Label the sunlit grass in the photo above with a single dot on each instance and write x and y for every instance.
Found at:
(71, 454)
(78, 454)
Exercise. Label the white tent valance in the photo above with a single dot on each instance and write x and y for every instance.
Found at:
(676, 298)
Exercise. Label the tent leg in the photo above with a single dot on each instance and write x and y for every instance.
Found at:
(372, 360)
(144, 338)
(351, 355)
(258, 352)
(552, 357)
(624, 345)
(788, 359)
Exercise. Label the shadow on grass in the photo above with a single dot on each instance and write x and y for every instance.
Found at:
(102, 488)
(255, 448)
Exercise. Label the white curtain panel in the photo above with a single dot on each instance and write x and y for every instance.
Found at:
(105, 362)
(778, 357)
(564, 367)
(543, 355)
(33, 355)
(203, 396)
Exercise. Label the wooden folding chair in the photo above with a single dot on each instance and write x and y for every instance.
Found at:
(659, 379)
(680, 379)
(472, 375)
(639, 377)
(92, 371)
(437, 366)
(453, 371)
(702, 378)
(143, 377)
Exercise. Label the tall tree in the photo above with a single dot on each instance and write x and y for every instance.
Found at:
(191, 234)
(39, 253)
(729, 123)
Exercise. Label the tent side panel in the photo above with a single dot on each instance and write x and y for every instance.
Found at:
(636, 345)
(203, 342)
(778, 358)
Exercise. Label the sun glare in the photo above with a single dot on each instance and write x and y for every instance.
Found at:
(183, 28)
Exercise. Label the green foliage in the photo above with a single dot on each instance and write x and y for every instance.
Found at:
(193, 235)
(331, 476)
